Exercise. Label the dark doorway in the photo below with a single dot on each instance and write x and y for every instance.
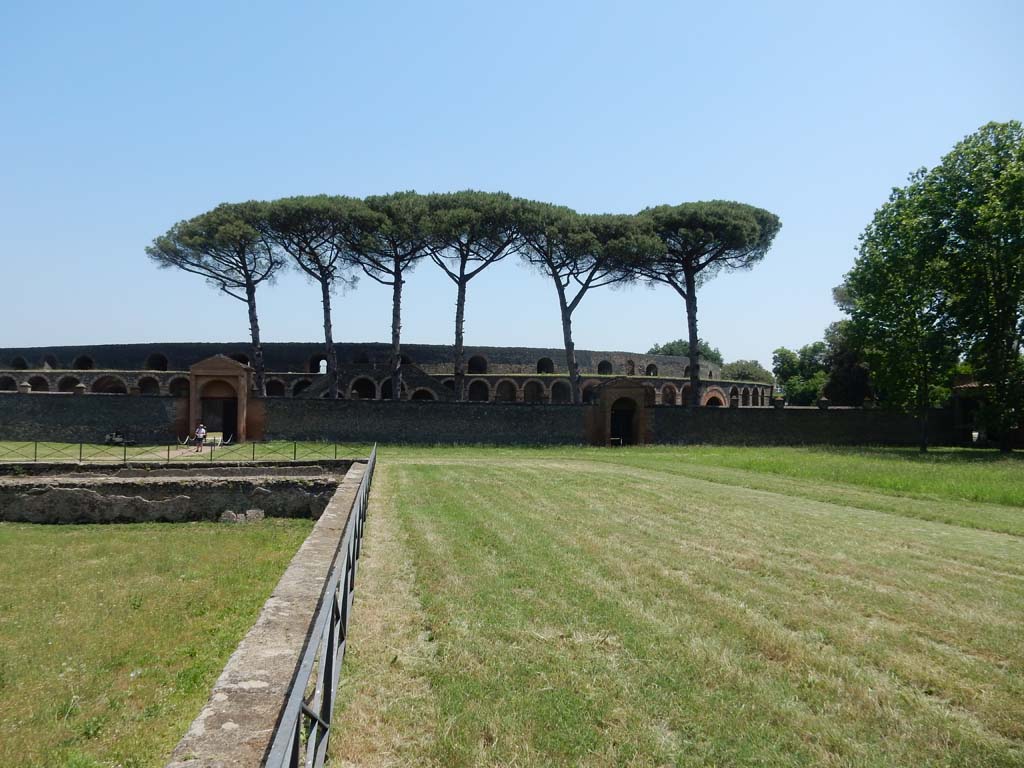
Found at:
(220, 414)
(623, 413)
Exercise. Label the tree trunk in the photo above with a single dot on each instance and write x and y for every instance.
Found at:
(332, 357)
(570, 348)
(258, 378)
(922, 416)
(396, 334)
(460, 353)
(691, 324)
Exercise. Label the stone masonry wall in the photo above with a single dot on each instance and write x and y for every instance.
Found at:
(85, 418)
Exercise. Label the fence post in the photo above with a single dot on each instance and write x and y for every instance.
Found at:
(168, 453)
(80, 453)
(335, 451)
(35, 451)
(211, 450)
(254, 451)
(295, 451)
(125, 451)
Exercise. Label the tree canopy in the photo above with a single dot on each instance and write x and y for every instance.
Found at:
(747, 370)
(681, 348)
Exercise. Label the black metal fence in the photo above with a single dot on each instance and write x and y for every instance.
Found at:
(20, 452)
(305, 725)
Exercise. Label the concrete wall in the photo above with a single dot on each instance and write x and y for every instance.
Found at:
(86, 418)
(423, 422)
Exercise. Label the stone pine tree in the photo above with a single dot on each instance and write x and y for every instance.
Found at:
(701, 240)
(387, 246)
(978, 194)
(316, 233)
(469, 232)
(579, 253)
(227, 247)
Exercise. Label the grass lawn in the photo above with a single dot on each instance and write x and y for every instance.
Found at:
(112, 636)
(688, 606)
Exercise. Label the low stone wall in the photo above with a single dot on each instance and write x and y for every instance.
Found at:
(86, 418)
(424, 422)
(796, 426)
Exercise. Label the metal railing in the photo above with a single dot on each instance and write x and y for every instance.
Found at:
(22, 452)
(304, 729)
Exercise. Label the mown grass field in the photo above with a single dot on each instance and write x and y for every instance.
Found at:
(689, 606)
(112, 636)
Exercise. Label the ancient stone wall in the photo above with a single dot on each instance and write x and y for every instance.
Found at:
(86, 418)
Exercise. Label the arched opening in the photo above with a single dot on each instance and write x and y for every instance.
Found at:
(423, 394)
(685, 394)
(39, 384)
(589, 394)
(449, 384)
(734, 395)
(238, 357)
(533, 392)
(317, 363)
(363, 389)
(479, 391)
(83, 363)
(745, 398)
(505, 393)
(668, 395)
(49, 361)
(299, 387)
(604, 368)
(179, 387)
(219, 408)
(477, 364)
(149, 386)
(156, 362)
(650, 396)
(622, 417)
(714, 402)
(109, 385)
(545, 365)
(651, 370)
(630, 368)
(67, 384)
(275, 388)
(386, 389)
(8, 384)
(756, 398)
(361, 358)
(561, 392)
(19, 364)
(711, 374)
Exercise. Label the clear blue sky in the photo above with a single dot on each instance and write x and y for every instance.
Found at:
(116, 120)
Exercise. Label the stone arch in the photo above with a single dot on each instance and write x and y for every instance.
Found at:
(745, 397)
(630, 368)
(83, 363)
(385, 389)
(50, 361)
(717, 395)
(561, 392)
(317, 363)
(180, 387)
(545, 365)
(651, 370)
(478, 391)
(240, 357)
(363, 388)
(67, 384)
(148, 385)
(604, 368)
(423, 394)
(157, 361)
(668, 395)
(449, 383)
(623, 421)
(734, 394)
(533, 392)
(217, 388)
(361, 358)
(39, 384)
(300, 386)
(19, 364)
(110, 385)
(589, 393)
(276, 388)
(8, 384)
(713, 401)
(477, 364)
(505, 391)
(756, 398)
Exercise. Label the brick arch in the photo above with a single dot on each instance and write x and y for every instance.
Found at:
(276, 388)
(669, 394)
(545, 365)
(423, 394)
(39, 384)
(561, 391)
(745, 397)
(19, 364)
(651, 370)
(362, 388)
(534, 391)
(148, 385)
(716, 393)
(8, 384)
(505, 391)
(478, 390)
(588, 391)
(110, 384)
(157, 361)
(180, 387)
(67, 384)
(476, 364)
(83, 363)
(218, 388)
(605, 368)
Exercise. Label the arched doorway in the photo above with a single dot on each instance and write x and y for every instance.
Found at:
(622, 417)
(218, 403)
(479, 391)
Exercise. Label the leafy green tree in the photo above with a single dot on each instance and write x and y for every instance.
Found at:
(898, 302)
(801, 374)
(580, 253)
(317, 232)
(469, 231)
(785, 364)
(701, 240)
(387, 246)
(225, 246)
(977, 192)
(849, 382)
(681, 348)
(747, 370)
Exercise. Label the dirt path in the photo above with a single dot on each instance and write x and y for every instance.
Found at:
(387, 706)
